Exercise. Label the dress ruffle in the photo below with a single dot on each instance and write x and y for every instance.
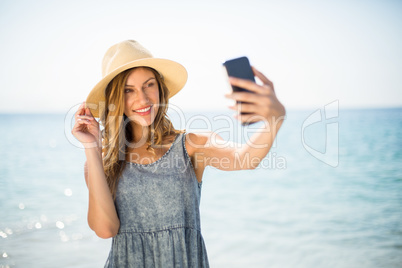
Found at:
(173, 247)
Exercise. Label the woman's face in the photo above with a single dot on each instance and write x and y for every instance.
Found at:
(141, 96)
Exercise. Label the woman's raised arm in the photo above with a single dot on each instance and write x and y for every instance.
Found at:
(261, 104)
(102, 215)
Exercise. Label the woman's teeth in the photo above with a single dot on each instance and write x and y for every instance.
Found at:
(143, 110)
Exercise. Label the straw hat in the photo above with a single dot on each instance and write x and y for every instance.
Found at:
(129, 54)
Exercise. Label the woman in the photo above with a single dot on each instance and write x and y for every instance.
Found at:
(144, 177)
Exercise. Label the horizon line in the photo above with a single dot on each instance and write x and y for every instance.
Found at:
(294, 109)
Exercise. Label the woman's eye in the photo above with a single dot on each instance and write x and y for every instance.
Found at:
(127, 90)
(150, 84)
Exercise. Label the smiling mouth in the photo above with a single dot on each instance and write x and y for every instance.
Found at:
(143, 110)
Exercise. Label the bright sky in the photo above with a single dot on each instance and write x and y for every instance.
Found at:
(315, 52)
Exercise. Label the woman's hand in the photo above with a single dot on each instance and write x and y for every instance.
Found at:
(262, 104)
(86, 128)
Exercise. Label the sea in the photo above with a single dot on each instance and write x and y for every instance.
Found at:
(328, 194)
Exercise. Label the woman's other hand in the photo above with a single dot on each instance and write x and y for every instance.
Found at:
(86, 128)
(262, 103)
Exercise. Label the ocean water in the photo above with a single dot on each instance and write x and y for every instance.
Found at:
(329, 194)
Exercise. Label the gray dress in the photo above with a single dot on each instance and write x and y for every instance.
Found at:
(158, 207)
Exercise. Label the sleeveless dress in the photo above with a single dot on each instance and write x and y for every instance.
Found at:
(158, 207)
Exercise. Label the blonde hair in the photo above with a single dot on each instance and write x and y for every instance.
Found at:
(117, 130)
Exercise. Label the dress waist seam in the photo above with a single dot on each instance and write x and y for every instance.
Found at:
(156, 230)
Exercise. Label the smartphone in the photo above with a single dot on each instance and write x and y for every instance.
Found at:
(239, 67)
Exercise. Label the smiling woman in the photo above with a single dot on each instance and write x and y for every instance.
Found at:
(140, 97)
(144, 177)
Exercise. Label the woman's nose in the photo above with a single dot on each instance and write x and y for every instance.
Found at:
(142, 97)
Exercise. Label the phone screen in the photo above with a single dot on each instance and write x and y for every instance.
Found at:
(239, 67)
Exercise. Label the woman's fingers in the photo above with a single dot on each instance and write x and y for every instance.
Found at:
(86, 128)
(249, 118)
(247, 97)
(247, 84)
(89, 123)
(84, 117)
(80, 123)
(262, 77)
(85, 122)
(244, 107)
(79, 126)
(80, 110)
(261, 104)
(88, 112)
(84, 113)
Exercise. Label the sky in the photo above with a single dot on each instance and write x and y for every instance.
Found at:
(315, 52)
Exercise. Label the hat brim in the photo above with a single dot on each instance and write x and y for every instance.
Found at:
(174, 75)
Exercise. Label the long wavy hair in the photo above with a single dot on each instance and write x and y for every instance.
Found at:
(118, 133)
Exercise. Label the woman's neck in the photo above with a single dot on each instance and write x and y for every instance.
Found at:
(139, 134)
